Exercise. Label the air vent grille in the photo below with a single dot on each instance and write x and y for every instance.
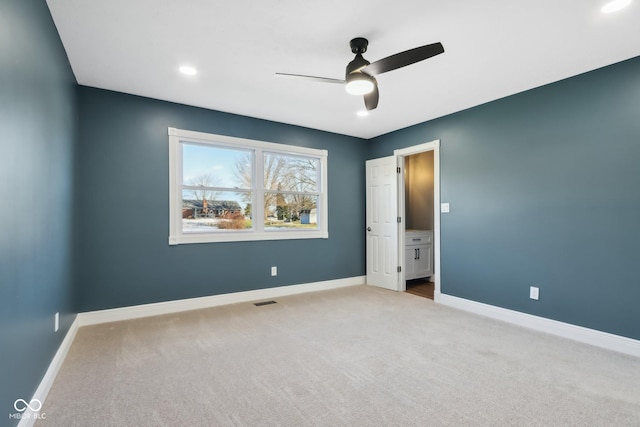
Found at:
(258, 304)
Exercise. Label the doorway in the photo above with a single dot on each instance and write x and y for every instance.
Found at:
(395, 252)
(434, 147)
(418, 217)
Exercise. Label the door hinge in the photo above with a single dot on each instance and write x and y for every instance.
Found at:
(399, 220)
(398, 169)
(399, 269)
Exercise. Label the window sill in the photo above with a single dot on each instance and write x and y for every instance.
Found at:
(245, 237)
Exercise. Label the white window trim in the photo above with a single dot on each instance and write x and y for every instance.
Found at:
(177, 237)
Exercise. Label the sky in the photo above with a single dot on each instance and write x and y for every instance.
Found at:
(218, 162)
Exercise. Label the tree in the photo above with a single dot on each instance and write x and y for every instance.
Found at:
(205, 193)
(283, 210)
(284, 173)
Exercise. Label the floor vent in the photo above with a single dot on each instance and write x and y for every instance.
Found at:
(258, 304)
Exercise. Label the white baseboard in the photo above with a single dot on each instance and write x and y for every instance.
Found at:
(566, 330)
(155, 309)
(29, 417)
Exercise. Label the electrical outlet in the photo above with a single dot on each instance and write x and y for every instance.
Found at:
(56, 322)
(534, 293)
(274, 271)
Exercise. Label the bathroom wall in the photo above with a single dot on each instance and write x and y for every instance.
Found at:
(418, 186)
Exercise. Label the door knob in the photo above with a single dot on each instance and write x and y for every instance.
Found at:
(368, 228)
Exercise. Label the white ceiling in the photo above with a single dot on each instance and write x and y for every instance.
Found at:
(493, 49)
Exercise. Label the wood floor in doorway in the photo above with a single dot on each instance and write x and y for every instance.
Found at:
(420, 287)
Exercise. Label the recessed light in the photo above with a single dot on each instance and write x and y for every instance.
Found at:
(362, 113)
(615, 5)
(188, 71)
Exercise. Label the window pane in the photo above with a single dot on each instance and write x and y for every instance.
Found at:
(288, 211)
(235, 189)
(211, 166)
(215, 210)
(291, 173)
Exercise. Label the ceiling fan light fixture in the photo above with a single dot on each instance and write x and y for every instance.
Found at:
(359, 84)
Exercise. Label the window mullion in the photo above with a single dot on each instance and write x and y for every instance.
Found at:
(205, 188)
(258, 194)
(294, 193)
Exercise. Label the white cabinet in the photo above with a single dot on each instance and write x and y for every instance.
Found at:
(418, 254)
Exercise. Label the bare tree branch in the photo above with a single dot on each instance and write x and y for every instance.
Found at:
(204, 180)
(281, 173)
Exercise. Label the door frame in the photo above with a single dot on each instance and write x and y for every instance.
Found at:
(400, 157)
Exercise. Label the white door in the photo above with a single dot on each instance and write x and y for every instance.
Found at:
(382, 223)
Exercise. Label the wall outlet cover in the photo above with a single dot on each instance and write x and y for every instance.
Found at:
(534, 293)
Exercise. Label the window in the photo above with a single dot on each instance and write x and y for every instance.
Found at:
(225, 189)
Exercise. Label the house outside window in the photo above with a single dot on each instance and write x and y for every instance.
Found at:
(233, 189)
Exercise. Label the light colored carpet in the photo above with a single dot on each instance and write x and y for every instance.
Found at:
(358, 356)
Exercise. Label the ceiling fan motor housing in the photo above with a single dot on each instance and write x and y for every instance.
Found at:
(358, 46)
(357, 64)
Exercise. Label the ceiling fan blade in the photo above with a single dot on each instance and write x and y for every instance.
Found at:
(371, 99)
(312, 78)
(403, 59)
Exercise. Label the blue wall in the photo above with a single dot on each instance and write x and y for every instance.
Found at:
(37, 119)
(544, 188)
(123, 208)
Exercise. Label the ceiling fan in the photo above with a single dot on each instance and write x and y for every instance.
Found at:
(359, 77)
